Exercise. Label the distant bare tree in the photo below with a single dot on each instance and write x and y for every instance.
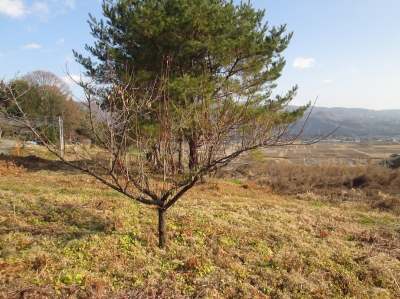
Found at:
(45, 78)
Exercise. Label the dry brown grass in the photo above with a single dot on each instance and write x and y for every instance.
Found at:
(377, 186)
(63, 235)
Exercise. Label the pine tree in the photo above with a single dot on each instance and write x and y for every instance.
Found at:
(211, 52)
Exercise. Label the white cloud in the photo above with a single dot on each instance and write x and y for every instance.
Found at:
(31, 46)
(13, 8)
(70, 3)
(71, 79)
(326, 81)
(60, 41)
(70, 58)
(41, 9)
(349, 69)
(302, 63)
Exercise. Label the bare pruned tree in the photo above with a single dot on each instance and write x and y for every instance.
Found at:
(131, 122)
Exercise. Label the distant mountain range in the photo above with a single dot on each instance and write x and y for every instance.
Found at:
(352, 121)
(356, 121)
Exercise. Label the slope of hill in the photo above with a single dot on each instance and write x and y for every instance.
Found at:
(357, 121)
(65, 235)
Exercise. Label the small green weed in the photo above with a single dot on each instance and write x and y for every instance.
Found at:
(367, 220)
(237, 182)
(257, 156)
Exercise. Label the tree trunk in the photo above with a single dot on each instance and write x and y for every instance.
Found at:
(181, 166)
(162, 227)
(193, 157)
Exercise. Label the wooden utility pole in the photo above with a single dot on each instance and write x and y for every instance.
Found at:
(61, 132)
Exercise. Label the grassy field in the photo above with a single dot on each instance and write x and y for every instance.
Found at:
(325, 153)
(259, 231)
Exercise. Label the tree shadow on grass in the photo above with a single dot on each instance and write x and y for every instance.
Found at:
(34, 163)
(26, 224)
(65, 220)
(61, 220)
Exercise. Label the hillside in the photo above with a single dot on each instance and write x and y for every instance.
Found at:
(357, 121)
(64, 235)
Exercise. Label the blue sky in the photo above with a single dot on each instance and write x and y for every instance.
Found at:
(345, 52)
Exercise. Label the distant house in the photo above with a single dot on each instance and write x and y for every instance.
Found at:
(347, 139)
(80, 139)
